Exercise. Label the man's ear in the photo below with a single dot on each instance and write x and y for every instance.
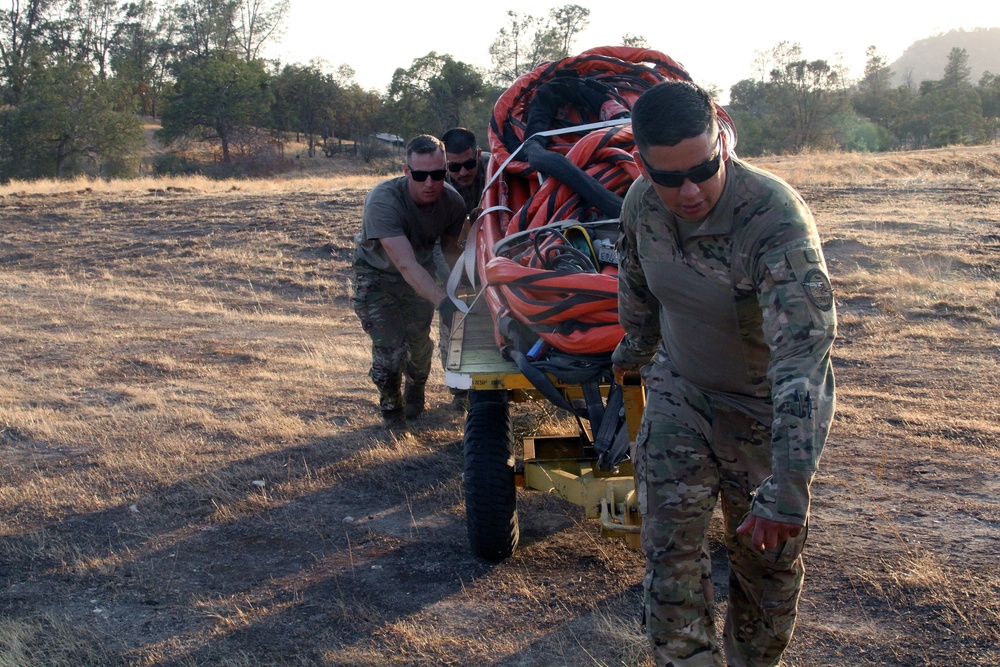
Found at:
(639, 163)
(725, 145)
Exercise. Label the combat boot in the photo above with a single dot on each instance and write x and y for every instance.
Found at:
(413, 397)
(394, 420)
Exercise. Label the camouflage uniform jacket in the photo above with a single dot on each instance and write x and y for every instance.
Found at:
(743, 309)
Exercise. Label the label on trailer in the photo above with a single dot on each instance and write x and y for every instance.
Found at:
(606, 252)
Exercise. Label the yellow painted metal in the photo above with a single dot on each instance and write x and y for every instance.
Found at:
(634, 395)
(622, 519)
(576, 482)
(565, 465)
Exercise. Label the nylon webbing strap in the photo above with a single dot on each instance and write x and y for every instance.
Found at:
(467, 262)
(611, 439)
(595, 404)
(540, 380)
(618, 451)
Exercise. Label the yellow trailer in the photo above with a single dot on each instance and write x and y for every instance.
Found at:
(566, 465)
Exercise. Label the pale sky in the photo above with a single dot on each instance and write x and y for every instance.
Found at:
(716, 42)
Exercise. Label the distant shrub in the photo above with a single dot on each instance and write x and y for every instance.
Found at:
(120, 167)
(370, 148)
(172, 164)
(259, 156)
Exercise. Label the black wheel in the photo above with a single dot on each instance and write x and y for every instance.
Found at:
(490, 493)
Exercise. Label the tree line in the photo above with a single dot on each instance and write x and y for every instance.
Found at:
(794, 104)
(76, 76)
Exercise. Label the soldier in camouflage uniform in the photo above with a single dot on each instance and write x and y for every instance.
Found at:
(394, 287)
(729, 313)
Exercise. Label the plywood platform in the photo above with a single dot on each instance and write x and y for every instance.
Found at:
(474, 360)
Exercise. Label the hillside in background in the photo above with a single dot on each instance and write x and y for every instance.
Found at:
(925, 60)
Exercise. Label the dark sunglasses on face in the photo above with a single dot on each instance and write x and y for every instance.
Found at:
(675, 179)
(468, 165)
(421, 176)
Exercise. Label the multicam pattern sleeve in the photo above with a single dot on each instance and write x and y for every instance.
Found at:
(638, 309)
(799, 326)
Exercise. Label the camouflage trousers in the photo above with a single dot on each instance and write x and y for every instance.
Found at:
(399, 323)
(691, 451)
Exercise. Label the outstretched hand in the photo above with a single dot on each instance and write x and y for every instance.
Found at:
(447, 308)
(767, 534)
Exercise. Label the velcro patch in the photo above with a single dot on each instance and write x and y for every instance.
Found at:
(817, 287)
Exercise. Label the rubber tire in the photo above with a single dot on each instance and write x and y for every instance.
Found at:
(490, 491)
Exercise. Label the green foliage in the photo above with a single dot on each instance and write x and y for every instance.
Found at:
(73, 71)
(215, 97)
(795, 105)
(989, 93)
(799, 103)
(171, 164)
(433, 95)
(950, 110)
(362, 112)
(306, 100)
(635, 41)
(21, 44)
(527, 41)
(957, 71)
(510, 52)
(874, 97)
(568, 21)
(853, 132)
(259, 21)
(806, 94)
(205, 27)
(140, 56)
(69, 122)
(945, 116)
(753, 139)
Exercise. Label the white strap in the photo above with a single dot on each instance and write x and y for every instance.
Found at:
(549, 133)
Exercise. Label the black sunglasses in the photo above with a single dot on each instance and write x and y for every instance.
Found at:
(468, 165)
(421, 176)
(675, 179)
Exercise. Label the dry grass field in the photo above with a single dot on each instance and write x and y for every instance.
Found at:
(193, 471)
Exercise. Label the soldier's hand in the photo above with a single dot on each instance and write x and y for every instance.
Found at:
(766, 534)
(447, 309)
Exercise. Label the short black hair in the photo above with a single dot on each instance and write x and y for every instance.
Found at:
(670, 112)
(459, 140)
(424, 144)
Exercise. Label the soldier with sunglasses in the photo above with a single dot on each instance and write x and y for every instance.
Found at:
(728, 312)
(466, 165)
(395, 291)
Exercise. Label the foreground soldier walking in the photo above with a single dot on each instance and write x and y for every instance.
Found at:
(395, 291)
(728, 310)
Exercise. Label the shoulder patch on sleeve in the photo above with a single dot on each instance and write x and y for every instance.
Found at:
(818, 289)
